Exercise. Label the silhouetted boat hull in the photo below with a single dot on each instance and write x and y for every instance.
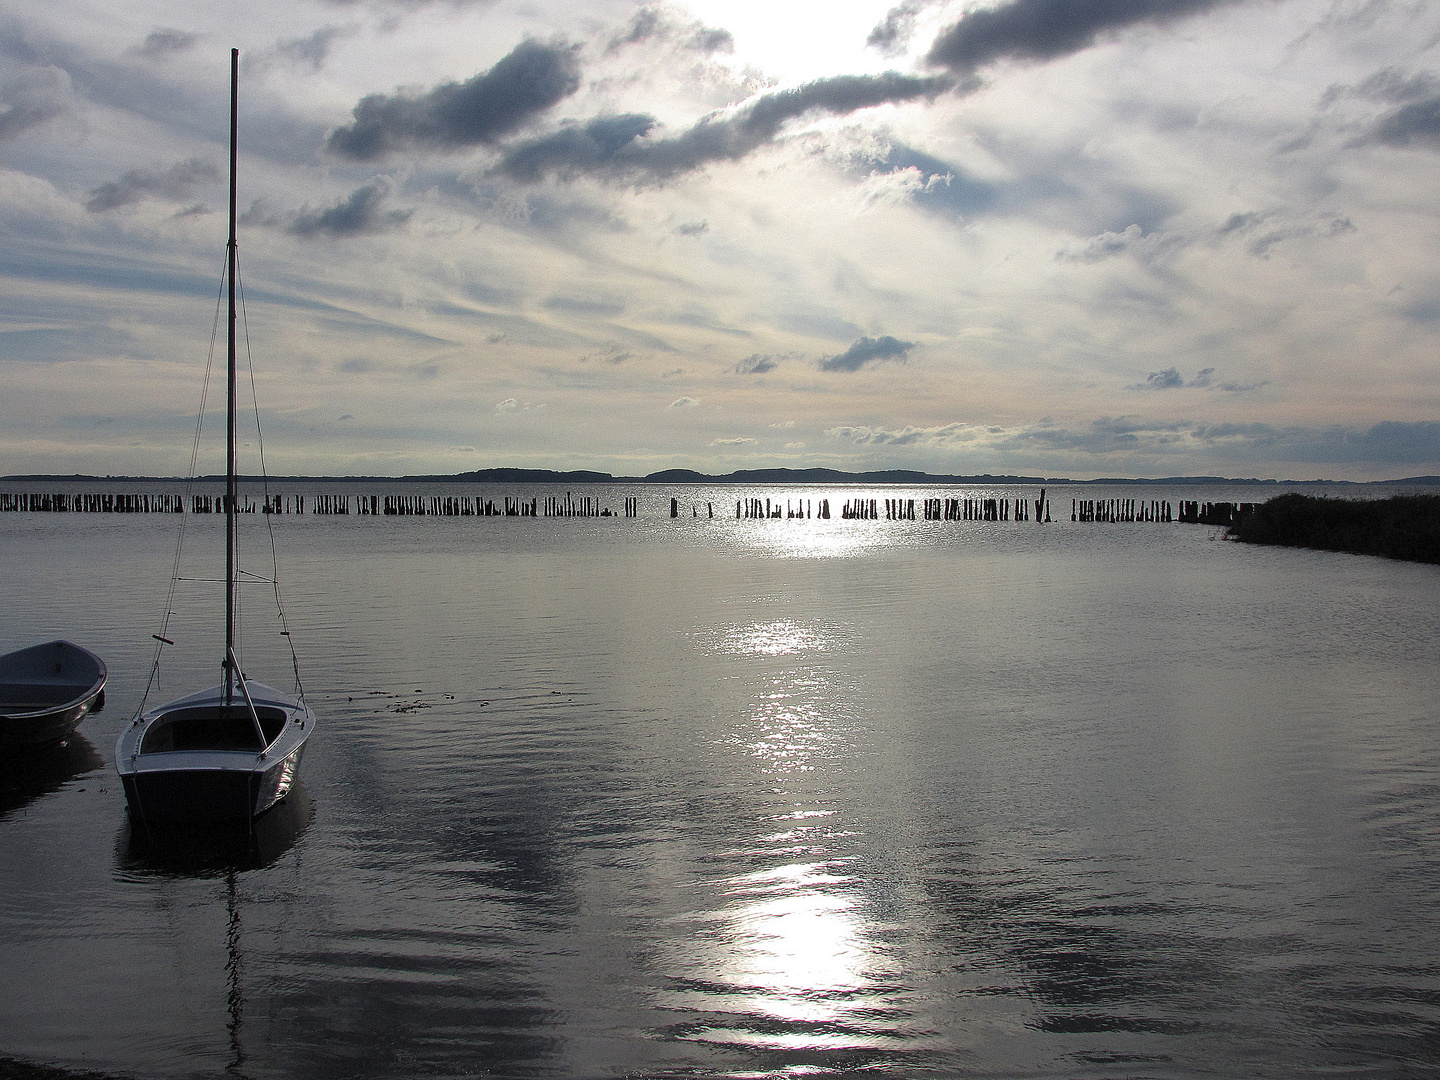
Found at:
(45, 691)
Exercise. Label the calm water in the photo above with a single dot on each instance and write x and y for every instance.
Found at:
(693, 797)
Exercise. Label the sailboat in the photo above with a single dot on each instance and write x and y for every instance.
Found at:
(230, 752)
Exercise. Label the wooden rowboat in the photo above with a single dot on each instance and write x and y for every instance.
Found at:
(45, 691)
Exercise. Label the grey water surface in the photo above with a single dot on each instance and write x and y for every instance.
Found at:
(653, 797)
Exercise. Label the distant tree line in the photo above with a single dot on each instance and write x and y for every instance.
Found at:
(1400, 527)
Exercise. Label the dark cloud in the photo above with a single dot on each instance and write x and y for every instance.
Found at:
(1400, 444)
(618, 146)
(712, 40)
(893, 32)
(363, 213)
(1387, 85)
(1264, 230)
(1416, 121)
(868, 350)
(1241, 223)
(310, 51)
(166, 41)
(1107, 435)
(174, 184)
(1390, 442)
(1396, 441)
(454, 116)
(30, 99)
(953, 434)
(584, 148)
(1416, 124)
(613, 355)
(1171, 379)
(757, 364)
(657, 22)
(1030, 30)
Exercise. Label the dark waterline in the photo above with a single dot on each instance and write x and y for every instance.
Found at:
(663, 798)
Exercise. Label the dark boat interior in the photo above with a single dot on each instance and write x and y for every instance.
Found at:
(212, 727)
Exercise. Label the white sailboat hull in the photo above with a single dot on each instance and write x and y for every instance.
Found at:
(199, 759)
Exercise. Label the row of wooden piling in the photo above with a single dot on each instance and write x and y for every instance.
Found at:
(1120, 510)
(751, 509)
(987, 509)
(587, 506)
(107, 502)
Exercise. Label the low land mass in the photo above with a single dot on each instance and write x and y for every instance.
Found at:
(1400, 527)
(908, 477)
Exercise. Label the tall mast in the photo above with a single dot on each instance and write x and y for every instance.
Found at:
(230, 484)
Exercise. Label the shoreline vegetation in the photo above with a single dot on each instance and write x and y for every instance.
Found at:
(1405, 527)
(743, 476)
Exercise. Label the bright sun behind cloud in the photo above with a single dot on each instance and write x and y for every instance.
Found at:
(793, 41)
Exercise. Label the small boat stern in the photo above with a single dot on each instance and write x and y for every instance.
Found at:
(200, 760)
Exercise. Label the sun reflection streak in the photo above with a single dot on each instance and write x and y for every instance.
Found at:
(799, 941)
(790, 956)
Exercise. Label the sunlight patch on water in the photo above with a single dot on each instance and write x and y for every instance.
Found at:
(779, 637)
(798, 941)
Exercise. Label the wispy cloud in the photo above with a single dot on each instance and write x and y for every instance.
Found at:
(166, 42)
(38, 94)
(176, 184)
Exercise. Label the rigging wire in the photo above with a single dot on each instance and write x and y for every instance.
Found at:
(162, 638)
(265, 488)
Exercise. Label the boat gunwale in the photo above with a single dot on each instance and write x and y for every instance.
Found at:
(299, 722)
(92, 689)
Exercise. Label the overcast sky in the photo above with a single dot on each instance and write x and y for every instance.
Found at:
(1050, 237)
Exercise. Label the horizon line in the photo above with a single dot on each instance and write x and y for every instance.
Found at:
(772, 475)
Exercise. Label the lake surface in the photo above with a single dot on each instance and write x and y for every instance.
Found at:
(700, 797)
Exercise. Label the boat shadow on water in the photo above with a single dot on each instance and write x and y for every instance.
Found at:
(214, 849)
(25, 779)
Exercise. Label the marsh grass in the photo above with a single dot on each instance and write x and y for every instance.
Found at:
(1400, 527)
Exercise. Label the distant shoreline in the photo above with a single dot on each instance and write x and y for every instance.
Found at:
(744, 476)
